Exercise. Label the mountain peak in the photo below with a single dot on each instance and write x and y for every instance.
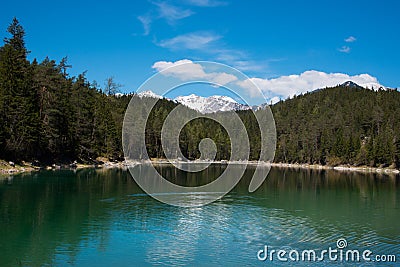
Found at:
(351, 84)
(202, 104)
(149, 93)
(210, 104)
(224, 98)
(371, 85)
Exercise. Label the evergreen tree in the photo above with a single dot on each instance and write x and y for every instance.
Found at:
(19, 101)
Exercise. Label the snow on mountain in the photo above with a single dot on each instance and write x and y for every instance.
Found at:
(202, 104)
(351, 84)
(373, 86)
(210, 104)
(149, 93)
(370, 85)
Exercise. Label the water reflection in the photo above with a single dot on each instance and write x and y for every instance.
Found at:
(102, 218)
(182, 191)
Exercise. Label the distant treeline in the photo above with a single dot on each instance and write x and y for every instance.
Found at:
(47, 115)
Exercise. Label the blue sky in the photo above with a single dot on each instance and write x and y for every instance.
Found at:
(267, 40)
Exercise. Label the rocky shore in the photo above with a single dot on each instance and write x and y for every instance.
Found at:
(7, 168)
(365, 169)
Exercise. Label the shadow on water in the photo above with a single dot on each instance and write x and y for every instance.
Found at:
(47, 211)
(102, 218)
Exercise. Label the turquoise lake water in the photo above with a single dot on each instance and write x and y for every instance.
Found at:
(98, 217)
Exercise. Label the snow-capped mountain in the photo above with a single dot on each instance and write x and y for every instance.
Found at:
(202, 104)
(210, 104)
(225, 103)
(351, 84)
(149, 93)
(370, 85)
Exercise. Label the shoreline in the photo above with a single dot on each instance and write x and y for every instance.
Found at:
(342, 168)
(9, 168)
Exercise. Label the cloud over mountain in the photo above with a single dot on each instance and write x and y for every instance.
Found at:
(287, 86)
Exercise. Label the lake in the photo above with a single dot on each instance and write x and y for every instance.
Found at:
(100, 217)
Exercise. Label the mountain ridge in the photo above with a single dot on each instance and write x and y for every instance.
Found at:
(220, 103)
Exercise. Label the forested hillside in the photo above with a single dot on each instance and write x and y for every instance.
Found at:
(344, 124)
(47, 115)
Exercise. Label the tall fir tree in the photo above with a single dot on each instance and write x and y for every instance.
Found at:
(18, 97)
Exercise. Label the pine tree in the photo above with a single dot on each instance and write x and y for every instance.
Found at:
(18, 97)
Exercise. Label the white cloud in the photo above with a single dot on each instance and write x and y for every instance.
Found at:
(172, 13)
(274, 100)
(205, 3)
(350, 39)
(288, 86)
(183, 69)
(238, 59)
(193, 41)
(344, 49)
(163, 10)
(186, 70)
(146, 22)
(222, 78)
